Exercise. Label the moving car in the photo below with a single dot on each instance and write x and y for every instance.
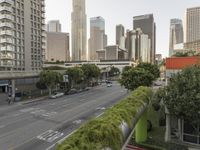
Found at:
(56, 95)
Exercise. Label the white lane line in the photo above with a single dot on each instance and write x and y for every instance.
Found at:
(100, 115)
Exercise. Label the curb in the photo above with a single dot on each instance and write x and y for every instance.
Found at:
(34, 100)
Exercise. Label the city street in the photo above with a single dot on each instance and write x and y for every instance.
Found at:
(40, 125)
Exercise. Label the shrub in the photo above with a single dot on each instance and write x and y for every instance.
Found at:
(105, 131)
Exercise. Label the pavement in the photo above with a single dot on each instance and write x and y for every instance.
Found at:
(39, 125)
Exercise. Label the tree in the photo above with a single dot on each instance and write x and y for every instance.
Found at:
(126, 68)
(50, 79)
(153, 69)
(182, 95)
(114, 71)
(75, 74)
(41, 85)
(91, 72)
(136, 77)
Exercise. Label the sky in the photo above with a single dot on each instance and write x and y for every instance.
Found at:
(121, 12)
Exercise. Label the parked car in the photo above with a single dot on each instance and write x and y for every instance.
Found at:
(56, 95)
(109, 84)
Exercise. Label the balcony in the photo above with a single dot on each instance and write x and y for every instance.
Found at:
(7, 1)
(8, 17)
(6, 32)
(42, 3)
(43, 15)
(7, 24)
(7, 64)
(6, 56)
(6, 8)
(7, 48)
(43, 9)
(7, 40)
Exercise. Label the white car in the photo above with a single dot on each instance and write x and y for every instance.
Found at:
(56, 95)
(109, 85)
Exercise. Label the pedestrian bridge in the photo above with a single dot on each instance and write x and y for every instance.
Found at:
(9, 75)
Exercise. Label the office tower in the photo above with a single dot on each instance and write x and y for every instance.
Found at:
(79, 31)
(54, 26)
(147, 25)
(192, 29)
(22, 34)
(57, 47)
(120, 36)
(98, 39)
(138, 46)
(176, 34)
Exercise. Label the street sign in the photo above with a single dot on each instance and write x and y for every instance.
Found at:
(65, 78)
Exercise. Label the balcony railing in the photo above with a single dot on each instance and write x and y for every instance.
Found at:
(7, 24)
(6, 16)
(7, 32)
(6, 57)
(6, 8)
(7, 1)
(8, 40)
(7, 48)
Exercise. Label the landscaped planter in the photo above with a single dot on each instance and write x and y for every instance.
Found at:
(109, 131)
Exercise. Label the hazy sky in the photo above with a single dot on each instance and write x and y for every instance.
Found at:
(121, 12)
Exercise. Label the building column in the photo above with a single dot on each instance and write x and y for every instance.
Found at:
(168, 126)
(13, 88)
(141, 129)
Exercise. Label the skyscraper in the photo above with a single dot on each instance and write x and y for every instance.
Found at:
(138, 45)
(98, 39)
(79, 31)
(176, 34)
(192, 29)
(120, 35)
(192, 24)
(147, 25)
(22, 34)
(54, 26)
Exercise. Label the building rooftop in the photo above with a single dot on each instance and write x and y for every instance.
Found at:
(178, 63)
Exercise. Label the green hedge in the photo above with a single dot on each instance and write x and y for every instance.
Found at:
(104, 131)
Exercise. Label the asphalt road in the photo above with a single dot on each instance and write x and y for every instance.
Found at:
(40, 125)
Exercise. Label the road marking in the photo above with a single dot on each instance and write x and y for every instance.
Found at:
(50, 136)
(100, 108)
(77, 122)
(61, 140)
(100, 115)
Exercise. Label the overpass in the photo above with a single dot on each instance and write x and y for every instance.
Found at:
(10, 75)
(101, 64)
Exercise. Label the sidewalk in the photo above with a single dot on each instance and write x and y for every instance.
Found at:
(3, 100)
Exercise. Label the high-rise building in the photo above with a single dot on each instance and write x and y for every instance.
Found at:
(120, 35)
(79, 31)
(57, 47)
(22, 34)
(54, 26)
(176, 34)
(192, 24)
(192, 29)
(138, 46)
(98, 39)
(147, 25)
